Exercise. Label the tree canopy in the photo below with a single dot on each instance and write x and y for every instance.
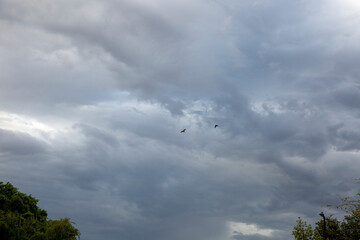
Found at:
(330, 228)
(22, 219)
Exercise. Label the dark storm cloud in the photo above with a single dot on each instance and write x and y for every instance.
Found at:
(344, 139)
(172, 56)
(348, 97)
(257, 237)
(93, 133)
(116, 81)
(18, 143)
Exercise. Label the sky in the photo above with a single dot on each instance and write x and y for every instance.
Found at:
(94, 94)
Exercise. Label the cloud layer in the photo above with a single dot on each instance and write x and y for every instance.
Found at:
(94, 94)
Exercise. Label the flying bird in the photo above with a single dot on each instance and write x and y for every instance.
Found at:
(182, 131)
(216, 126)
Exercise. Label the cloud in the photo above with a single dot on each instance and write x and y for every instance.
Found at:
(348, 97)
(249, 229)
(94, 94)
(18, 143)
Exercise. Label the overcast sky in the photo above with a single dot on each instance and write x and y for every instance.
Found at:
(94, 94)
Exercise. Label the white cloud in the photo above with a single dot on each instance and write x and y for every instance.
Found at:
(25, 124)
(249, 229)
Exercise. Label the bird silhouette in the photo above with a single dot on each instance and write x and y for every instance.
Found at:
(216, 126)
(182, 131)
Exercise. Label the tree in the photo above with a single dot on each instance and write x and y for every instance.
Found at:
(351, 223)
(22, 219)
(330, 228)
(61, 229)
(351, 226)
(333, 229)
(304, 231)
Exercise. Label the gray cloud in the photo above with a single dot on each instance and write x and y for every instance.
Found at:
(17, 143)
(348, 97)
(343, 139)
(113, 83)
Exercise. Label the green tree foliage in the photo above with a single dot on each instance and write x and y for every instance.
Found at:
(61, 229)
(348, 229)
(351, 223)
(22, 219)
(304, 231)
(333, 228)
